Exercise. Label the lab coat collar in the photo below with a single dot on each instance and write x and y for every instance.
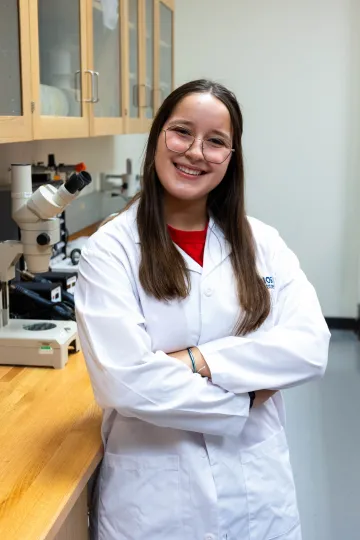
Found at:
(217, 248)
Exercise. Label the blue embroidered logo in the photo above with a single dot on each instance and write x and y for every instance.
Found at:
(269, 282)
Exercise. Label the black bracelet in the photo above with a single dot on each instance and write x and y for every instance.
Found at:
(252, 397)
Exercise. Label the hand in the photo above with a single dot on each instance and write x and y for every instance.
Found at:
(262, 396)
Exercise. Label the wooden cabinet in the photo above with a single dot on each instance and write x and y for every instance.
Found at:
(15, 93)
(92, 71)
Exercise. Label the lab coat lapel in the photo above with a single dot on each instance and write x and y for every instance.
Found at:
(191, 265)
(217, 248)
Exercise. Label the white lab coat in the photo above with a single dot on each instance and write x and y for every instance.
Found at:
(184, 459)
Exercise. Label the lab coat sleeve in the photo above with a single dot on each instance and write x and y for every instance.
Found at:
(126, 375)
(292, 351)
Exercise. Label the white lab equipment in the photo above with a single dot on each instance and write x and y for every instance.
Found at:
(35, 342)
(125, 185)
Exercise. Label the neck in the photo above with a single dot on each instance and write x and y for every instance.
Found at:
(185, 215)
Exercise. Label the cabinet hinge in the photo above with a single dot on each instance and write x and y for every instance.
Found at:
(33, 106)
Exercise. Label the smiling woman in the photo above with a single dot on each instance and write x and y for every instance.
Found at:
(192, 318)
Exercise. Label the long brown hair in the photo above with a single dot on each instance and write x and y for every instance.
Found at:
(163, 273)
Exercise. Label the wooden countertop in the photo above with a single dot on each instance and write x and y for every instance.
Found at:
(49, 446)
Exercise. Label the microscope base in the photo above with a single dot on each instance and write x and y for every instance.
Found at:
(37, 343)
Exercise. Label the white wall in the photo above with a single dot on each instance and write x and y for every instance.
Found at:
(294, 66)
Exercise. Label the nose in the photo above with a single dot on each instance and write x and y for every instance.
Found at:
(195, 152)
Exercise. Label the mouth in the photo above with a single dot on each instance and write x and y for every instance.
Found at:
(189, 172)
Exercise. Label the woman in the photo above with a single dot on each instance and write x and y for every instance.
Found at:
(191, 318)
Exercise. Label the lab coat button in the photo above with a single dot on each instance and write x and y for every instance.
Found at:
(208, 292)
(209, 537)
(203, 453)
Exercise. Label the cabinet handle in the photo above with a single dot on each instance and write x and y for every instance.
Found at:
(143, 86)
(136, 89)
(77, 86)
(95, 86)
(151, 96)
(148, 92)
(89, 100)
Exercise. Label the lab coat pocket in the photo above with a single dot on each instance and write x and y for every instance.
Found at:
(139, 498)
(270, 489)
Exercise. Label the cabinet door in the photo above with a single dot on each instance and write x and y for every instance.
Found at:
(106, 27)
(164, 28)
(149, 51)
(133, 44)
(15, 95)
(61, 86)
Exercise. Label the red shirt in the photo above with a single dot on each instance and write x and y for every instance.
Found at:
(192, 242)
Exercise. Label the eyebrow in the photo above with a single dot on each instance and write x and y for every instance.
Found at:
(190, 124)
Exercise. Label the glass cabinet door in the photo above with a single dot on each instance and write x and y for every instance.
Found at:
(60, 58)
(149, 53)
(134, 89)
(10, 69)
(107, 60)
(15, 100)
(166, 50)
(61, 82)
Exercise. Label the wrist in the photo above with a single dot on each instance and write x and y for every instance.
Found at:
(192, 364)
(201, 366)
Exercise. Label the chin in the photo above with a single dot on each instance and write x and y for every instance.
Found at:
(186, 193)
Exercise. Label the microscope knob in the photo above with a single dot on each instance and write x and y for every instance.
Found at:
(43, 239)
(75, 256)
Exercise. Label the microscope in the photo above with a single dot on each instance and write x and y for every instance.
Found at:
(35, 342)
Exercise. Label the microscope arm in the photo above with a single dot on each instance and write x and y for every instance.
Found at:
(47, 201)
(35, 213)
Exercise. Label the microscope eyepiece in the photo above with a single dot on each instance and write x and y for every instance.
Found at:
(77, 182)
(86, 178)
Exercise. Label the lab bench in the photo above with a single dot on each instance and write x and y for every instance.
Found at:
(50, 446)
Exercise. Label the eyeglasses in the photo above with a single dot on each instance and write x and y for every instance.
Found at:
(180, 140)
